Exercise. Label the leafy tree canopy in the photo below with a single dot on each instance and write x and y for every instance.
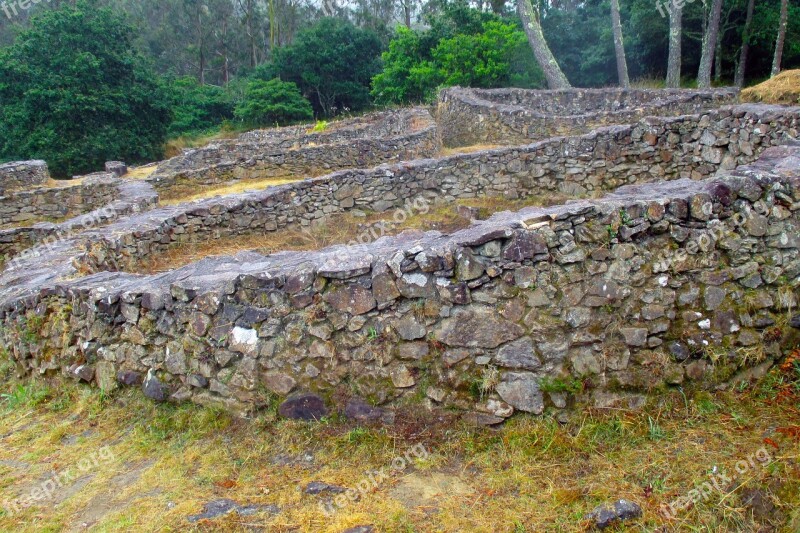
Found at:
(197, 108)
(76, 94)
(274, 102)
(332, 63)
(462, 47)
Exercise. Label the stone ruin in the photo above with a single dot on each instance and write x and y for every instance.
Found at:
(676, 263)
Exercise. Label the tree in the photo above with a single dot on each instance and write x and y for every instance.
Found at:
(675, 36)
(619, 46)
(493, 54)
(272, 102)
(196, 108)
(76, 94)
(741, 67)
(332, 63)
(709, 46)
(784, 20)
(529, 15)
(488, 59)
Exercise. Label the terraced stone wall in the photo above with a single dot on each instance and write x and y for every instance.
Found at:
(38, 203)
(360, 143)
(519, 116)
(686, 283)
(123, 199)
(22, 175)
(693, 146)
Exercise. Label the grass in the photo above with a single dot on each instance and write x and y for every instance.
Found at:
(534, 474)
(142, 172)
(782, 89)
(175, 146)
(444, 151)
(189, 192)
(337, 229)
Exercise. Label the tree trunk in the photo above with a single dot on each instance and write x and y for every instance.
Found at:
(201, 48)
(718, 58)
(776, 61)
(407, 6)
(675, 35)
(533, 29)
(742, 66)
(709, 46)
(619, 46)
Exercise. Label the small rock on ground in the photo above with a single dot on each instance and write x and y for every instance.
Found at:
(224, 506)
(318, 487)
(605, 515)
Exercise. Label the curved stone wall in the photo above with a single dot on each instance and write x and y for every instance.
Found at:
(101, 198)
(520, 116)
(356, 143)
(94, 191)
(602, 300)
(683, 282)
(693, 146)
(22, 175)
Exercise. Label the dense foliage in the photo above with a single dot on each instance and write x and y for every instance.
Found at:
(197, 108)
(486, 53)
(273, 102)
(86, 81)
(332, 63)
(74, 92)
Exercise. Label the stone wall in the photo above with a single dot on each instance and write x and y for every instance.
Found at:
(131, 197)
(520, 116)
(678, 283)
(688, 281)
(694, 146)
(53, 203)
(22, 175)
(281, 152)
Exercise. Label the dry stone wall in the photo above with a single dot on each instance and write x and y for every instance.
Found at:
(128, 198)
(677, 283)
(519, 116)
(694, 146)
(686, 275)
(22, 175)
(38, 203)
(281, 152)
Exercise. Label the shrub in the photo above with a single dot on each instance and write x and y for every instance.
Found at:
(272, 102)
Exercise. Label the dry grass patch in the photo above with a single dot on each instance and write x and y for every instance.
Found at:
(187, 192)
(338, 229)
(445, 152)
(782, 89)
(140, 173)
(533, 474)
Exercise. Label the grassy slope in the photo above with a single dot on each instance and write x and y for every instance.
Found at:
(534, 474)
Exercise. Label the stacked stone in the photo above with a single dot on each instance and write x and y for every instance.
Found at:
(520, 116)
(655, 149)
(359, 143)
(22, 175)
(600, 301)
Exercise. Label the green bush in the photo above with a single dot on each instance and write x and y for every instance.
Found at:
(197, 108)
(272, 102)
(75, 93)
(483, 51)
(332, 63)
